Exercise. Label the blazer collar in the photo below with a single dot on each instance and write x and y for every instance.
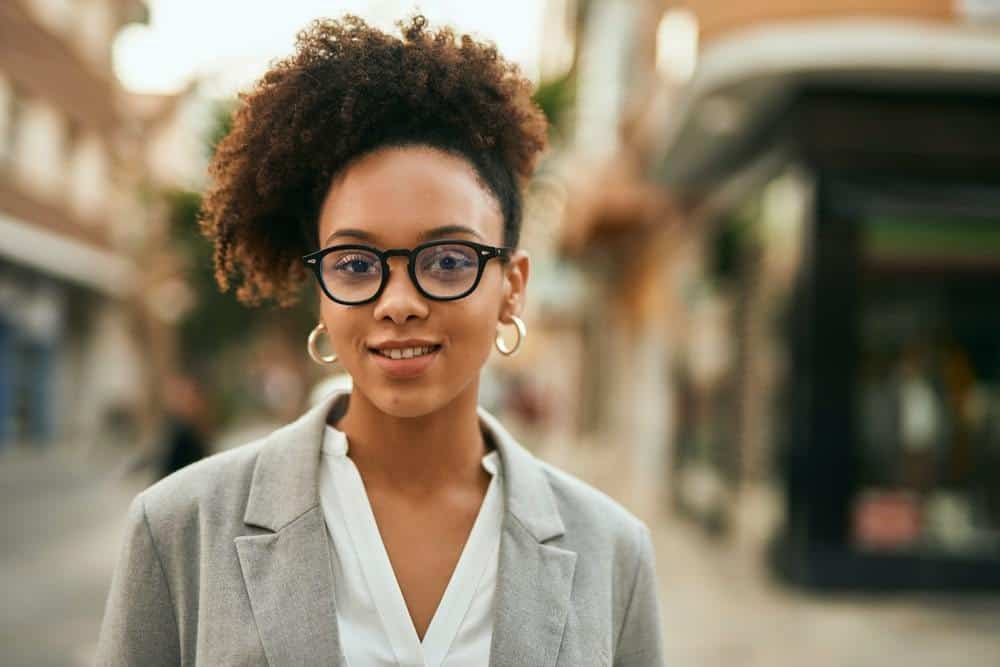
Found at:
(294, 609)
(286, 476)
(528, 493)
(285, 480)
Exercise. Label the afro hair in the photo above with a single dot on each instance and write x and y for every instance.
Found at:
(348, 90)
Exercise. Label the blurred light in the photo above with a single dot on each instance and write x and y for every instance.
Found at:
(979, 10)
(605, 53)
(721, 115)
(784, 205)
(232, 43)
(677, 44)
(558, 39)
(139, 55)
(171, 300)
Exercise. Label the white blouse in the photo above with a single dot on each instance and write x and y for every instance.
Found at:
(375, 627)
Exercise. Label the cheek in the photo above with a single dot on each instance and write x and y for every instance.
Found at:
(473, 329)
(470, 325)
(479, 313)
(343, 326)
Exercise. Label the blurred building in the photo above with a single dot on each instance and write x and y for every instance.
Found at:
(793, 224)
(74, 342)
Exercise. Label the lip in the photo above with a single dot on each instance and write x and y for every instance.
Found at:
(405, 368)
(398, 344)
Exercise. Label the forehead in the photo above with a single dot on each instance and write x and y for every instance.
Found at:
(396, 197)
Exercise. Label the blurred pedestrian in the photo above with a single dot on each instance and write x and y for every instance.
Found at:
(185, 424)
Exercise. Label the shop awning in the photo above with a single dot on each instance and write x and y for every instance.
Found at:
(743, 81)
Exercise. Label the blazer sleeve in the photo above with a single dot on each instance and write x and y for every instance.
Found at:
(140, 625)
(640, 642)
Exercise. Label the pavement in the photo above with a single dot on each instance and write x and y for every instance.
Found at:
(63, 516)
(63, 513)
(721, 607)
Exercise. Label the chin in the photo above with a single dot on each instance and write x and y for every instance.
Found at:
(403, 400)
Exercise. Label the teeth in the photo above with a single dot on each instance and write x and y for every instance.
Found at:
(406, 353)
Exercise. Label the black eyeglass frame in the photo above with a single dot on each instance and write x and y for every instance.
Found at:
(484, 253)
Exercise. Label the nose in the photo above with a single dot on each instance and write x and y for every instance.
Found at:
(400, 299)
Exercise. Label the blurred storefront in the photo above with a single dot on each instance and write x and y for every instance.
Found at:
(829, 279)
(73, 341)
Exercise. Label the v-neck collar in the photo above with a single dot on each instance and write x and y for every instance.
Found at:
(287, 562)
(479, 555)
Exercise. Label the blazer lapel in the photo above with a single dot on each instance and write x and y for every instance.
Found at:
(288, 572)
(534, 579)
(289, 578)
(534, 583)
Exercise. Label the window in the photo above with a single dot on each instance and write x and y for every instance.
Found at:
(38, 148)
(928, 400)
(87, 175)
(10, 111)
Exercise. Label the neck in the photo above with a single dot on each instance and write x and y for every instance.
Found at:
(418, 455)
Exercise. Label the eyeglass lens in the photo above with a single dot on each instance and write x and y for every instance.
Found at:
(442, 271)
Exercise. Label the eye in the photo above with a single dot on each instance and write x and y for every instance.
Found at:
(355, 264)
(448, 260)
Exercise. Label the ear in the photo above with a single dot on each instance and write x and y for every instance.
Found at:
(515, 285)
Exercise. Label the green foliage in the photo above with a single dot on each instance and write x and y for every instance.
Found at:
(556, 99)
(215, 335)
(223, 123)
(217, 320)
(734, 237)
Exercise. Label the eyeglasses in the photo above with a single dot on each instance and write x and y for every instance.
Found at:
(353, 275)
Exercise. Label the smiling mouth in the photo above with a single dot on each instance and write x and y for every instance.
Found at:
(407, 352)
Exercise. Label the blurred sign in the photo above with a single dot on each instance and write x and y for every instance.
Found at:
(886, 519)
(979, 10)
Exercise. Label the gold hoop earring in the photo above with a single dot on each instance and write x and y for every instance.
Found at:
(522, 331)
(311, 347)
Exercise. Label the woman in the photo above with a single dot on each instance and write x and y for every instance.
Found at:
(395, 523)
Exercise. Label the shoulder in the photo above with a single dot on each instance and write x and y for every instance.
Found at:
(579, 500)
(587, 515)
(614, 552)
(213, 488)
(594, 520)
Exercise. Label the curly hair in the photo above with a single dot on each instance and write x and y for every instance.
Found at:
(348, 90)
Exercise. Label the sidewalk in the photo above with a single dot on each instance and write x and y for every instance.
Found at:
(721, 609)
(63, 515)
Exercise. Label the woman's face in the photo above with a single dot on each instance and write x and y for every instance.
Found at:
(399, 198)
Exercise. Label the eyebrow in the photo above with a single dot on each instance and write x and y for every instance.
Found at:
(425, 235)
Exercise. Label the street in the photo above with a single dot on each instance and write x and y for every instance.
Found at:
(721, 609)
(64, 519)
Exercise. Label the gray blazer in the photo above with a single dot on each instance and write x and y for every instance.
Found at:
(228, 562)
